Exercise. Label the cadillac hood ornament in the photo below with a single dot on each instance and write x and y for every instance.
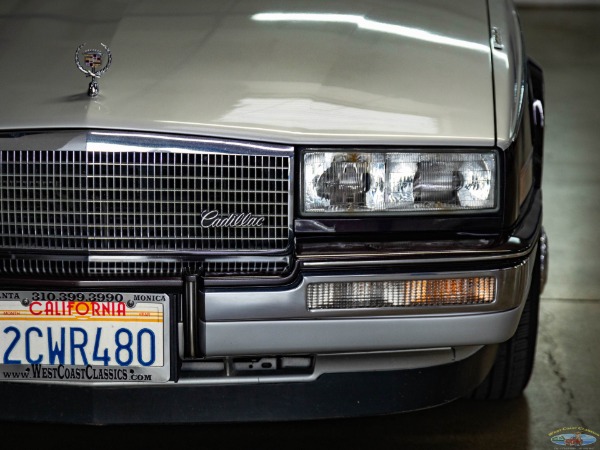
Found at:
(94, 63)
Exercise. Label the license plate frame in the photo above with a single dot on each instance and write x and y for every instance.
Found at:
(85, 336)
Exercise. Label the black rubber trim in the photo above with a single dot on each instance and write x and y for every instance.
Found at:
(331, 395)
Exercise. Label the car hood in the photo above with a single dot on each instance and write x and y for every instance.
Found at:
(311, 72)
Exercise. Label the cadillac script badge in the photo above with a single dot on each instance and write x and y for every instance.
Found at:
(94, 63)
(214, 219)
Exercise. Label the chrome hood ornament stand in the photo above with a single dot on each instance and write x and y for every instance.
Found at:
(93, 59)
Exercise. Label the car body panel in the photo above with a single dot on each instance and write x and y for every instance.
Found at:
(256, 70)
(509, 71)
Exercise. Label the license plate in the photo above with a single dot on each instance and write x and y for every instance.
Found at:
(84, 336)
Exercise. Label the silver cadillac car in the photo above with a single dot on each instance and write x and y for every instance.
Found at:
(260, 210)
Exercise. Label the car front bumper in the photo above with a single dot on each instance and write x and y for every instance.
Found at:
(265, 356)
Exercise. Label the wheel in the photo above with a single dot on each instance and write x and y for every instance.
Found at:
(514, 361)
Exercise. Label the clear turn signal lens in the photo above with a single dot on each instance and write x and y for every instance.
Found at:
(379, 182)
(400, 294)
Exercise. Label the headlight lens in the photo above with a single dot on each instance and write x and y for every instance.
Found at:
(380, 182)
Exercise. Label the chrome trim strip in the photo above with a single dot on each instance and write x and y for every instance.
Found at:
(121, 141)
(400, 262)
(146, 257)
(415, 252)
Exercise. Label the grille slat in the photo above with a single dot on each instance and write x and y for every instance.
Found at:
(142, 268)
(122, 195)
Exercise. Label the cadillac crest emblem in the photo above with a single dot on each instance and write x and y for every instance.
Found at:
(93, 63)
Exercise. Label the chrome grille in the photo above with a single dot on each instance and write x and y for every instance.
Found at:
(101, 192)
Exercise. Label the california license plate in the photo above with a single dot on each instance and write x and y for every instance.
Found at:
(84, 336)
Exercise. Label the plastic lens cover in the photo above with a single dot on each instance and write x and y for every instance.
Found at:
(380, 182)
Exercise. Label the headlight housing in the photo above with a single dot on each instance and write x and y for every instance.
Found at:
(381, 182)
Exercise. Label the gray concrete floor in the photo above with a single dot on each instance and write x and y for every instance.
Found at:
(565, 388)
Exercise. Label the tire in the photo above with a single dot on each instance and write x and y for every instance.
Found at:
(514, 361)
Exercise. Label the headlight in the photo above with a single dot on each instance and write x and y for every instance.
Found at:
(388, 182)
